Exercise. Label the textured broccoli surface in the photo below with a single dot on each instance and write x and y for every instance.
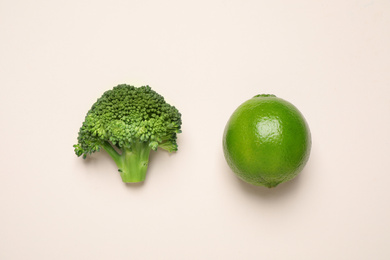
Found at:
(128, 122)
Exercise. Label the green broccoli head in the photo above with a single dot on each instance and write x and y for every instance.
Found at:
(128, 122)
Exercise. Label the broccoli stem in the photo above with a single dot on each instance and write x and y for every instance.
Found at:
(112, 152)
(133, 162)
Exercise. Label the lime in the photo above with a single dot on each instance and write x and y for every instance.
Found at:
(266, 141)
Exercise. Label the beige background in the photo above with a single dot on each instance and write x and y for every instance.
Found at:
(329, 58)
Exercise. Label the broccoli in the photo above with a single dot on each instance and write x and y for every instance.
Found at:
(128, 122)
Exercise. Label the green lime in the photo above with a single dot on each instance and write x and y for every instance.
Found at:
(266, 141)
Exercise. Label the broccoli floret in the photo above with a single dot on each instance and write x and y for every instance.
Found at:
(128, 122)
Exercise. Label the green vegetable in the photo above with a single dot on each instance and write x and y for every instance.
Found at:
(128, 122)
